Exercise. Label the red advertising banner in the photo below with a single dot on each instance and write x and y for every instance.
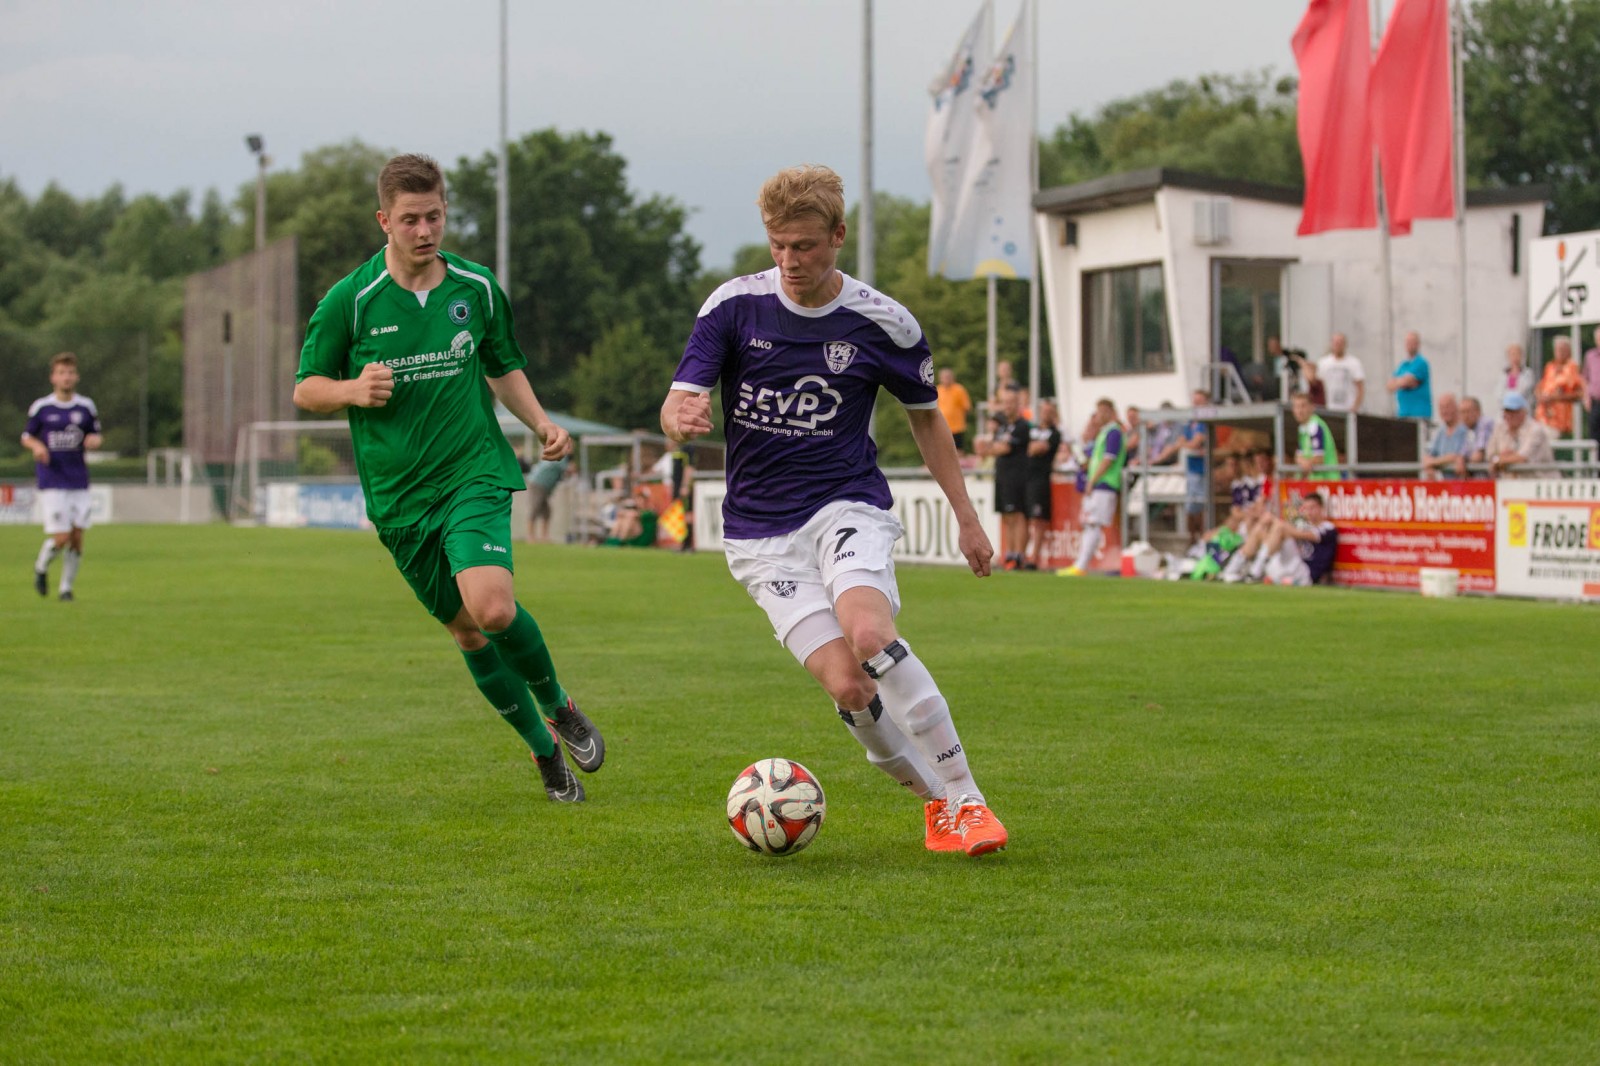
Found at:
(1065, 536)
(1391, 529)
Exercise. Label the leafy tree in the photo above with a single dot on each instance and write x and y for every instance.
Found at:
(1231, 126)
(1531, 81)
(623, 377)
(586, 254)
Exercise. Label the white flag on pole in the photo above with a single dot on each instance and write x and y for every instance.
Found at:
(952, 126)
(991, 233)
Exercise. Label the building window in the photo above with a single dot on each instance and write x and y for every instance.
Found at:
(1125, 322)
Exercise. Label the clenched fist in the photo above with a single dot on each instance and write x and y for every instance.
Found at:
(374, 387)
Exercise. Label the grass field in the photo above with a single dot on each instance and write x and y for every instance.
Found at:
(252, 809)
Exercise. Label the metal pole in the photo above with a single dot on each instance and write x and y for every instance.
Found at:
(1458, 30)
(502, 225)
(1034, 280)
(144, 393)
(993, 339)
(1383, 226)
(258, 379)
(866, 265)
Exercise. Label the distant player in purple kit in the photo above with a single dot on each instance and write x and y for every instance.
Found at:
(800, 352)
(61, 428)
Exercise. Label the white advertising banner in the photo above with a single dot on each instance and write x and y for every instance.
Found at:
(1564, 280)
(931, 534)
(1547, 539)
(19, 505)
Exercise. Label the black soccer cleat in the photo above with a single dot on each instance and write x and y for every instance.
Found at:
(579, 736)
(66, 597)
(41, 582)
(560, 783)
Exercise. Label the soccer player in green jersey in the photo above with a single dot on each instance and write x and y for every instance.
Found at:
(416, 345)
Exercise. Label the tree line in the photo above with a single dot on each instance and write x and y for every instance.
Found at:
(605, 280)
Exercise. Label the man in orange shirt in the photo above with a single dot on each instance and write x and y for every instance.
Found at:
(1560, 387)
(955, 404)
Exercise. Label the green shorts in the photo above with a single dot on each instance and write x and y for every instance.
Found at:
(469, 527)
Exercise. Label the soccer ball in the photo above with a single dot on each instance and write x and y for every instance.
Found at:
(775, 807)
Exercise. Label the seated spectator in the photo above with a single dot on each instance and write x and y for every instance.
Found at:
(1452, 443)
(1297, 552)
(635, 523)
(1479, 426)
(1518, 441)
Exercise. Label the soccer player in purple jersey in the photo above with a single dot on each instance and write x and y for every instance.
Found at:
(800, 352)
(61, 428)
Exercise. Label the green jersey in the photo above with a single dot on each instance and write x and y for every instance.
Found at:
(1110, 439)
(438, 431)
(1316, 441)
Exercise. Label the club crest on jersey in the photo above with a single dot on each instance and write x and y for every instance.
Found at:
(927, 371)
(838, 354)
(459, 311)
(782, 588)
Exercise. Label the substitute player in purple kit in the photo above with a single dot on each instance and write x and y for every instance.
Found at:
(800, 352)
(62, 427)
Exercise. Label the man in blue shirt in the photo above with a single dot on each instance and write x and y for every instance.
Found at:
(1452, 443)
(1413, 391)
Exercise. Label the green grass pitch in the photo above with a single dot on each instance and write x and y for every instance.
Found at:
(252, 809)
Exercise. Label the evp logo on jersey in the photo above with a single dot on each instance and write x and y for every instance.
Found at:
(808, 402)
(838, 354)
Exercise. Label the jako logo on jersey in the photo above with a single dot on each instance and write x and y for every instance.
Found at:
(757, 342)
(927, 371)
(842, 556)
(810, 401)
(838, 354)
(493, 548)
(782, 588)
(459, 311)
(951, 754)
(376, 330)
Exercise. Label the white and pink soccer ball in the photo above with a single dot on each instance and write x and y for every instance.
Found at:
(776, 807)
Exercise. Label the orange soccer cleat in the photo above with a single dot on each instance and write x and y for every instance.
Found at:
(941, 833)
(981, 832)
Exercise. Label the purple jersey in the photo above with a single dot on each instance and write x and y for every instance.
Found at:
(1319, 554)
(62, 425)
(798, 385)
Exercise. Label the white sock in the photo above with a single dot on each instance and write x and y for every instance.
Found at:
(46, 554)
(1259, 567)
(888, 750)
(912, 698)
(69, 568)
(1092, 537)
(1236, 565)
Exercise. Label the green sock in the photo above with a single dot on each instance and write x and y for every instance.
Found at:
(522, 648)
(508, 694)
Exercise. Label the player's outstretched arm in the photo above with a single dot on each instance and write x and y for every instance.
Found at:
(686, 414)
(514, 391)
(41, 454)
(938, 448)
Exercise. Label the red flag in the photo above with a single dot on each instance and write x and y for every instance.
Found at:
(1333, 48)
(1412, 117)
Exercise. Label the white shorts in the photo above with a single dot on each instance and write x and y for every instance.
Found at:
(64, 509)
(1285, 567)
(799, 575)
(1099, 507)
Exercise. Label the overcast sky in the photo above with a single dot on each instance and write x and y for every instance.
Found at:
(704, 98)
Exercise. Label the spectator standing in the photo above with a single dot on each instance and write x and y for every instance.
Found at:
(1133, 426)
(955, 403)
(542, 481)
(1518, 377)
(1591, 387)
(1452, 443)
(1518, 441)
(1007, 444)
(1343, 378)
(1411, 383)
(1044, 440)
(1197, 483)
(1314, 451)
(1560, 387)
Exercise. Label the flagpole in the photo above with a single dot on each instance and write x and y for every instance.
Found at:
(865, 259)
(991, 334)
(502, 191)
(1458, 29)
(1383, 223)
(1033, 188)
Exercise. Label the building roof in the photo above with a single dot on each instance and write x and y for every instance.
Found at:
(1137, 186)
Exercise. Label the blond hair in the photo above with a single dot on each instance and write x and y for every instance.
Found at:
(411, 173)
(795, 192)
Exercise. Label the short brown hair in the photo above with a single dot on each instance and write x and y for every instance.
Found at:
(808, 189)
(411, 173)
(64, 359)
